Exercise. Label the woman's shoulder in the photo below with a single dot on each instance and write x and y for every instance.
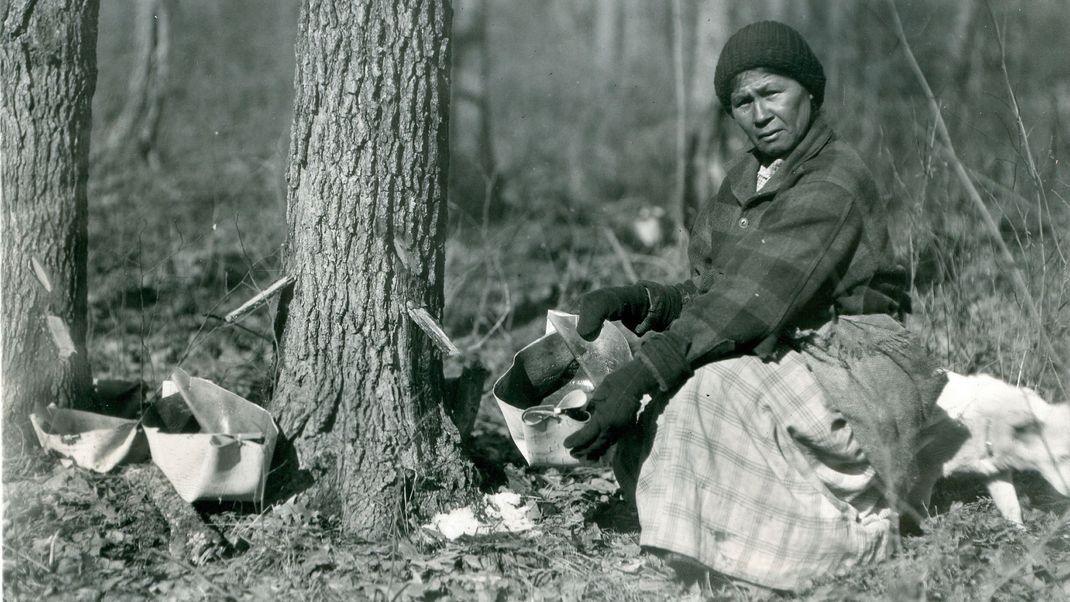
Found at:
(839, 164)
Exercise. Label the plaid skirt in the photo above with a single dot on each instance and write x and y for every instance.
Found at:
(746, 470)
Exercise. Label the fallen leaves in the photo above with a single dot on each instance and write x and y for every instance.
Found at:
(74, 533)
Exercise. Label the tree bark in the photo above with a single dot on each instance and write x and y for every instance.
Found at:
(47, 77)
(360, 386)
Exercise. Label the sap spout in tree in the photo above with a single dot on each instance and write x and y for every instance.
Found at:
(47, 77)
(360, 385)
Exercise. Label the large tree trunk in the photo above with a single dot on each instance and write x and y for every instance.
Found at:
(47, 76)
(360, 386)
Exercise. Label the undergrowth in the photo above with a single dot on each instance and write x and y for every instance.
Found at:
(173, 250)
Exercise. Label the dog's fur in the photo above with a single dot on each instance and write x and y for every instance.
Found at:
(988, 428)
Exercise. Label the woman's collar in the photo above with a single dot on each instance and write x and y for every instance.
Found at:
(817, 136)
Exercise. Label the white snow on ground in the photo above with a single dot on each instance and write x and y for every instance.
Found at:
(504, 512)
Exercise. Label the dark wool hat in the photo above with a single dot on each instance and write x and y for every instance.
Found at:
(774, 46)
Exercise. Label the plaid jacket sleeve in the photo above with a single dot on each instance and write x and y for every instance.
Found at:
(792, 260)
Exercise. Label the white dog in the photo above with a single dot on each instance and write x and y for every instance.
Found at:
(988, 428)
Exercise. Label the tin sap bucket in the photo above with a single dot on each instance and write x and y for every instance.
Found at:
(543, 394)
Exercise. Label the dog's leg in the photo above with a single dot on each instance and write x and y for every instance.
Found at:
(923, 490)
(916, 508)
(1005, 497)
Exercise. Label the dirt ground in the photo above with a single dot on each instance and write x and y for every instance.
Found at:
(70, 534)
(73, 534)
(174, 247)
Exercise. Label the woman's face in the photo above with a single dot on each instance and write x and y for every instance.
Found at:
(773, 110)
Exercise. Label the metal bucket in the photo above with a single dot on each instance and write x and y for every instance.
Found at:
(546, 373)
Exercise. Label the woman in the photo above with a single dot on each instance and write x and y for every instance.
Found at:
(786, 396)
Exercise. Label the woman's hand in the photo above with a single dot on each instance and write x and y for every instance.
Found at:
(660, 365)
(640, 307)
(629, 304)
(613, 406)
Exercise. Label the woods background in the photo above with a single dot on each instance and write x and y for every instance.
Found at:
(577, 130)
(565, 121)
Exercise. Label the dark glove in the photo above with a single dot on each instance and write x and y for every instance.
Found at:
(629, 304)
(661, 364)
(640, 307)
(613, 406)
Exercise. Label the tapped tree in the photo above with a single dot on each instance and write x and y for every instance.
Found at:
(47, 76)
(360, 386)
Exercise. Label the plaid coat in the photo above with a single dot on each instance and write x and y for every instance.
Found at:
(749, 467)
(812, 243)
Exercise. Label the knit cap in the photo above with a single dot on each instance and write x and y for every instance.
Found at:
(773, 46)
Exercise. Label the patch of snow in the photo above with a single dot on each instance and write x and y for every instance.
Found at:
(505, 511)
(508, 507)
(458, 522)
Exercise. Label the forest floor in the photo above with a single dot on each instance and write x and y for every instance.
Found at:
(70, 534)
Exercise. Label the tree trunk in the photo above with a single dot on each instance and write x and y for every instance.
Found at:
(488, 161)
(136, 127)
(608, 18)
(359, 390)
(680, 96)
(47, 76)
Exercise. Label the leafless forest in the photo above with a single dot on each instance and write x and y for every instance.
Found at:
(582, 136)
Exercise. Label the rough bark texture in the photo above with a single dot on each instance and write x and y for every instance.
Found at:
(359, 387)
(47, 76)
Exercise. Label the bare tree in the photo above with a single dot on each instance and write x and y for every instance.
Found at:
(137, 125)
(471, 44)
(609, 40)
(359, 389)
(47, 76)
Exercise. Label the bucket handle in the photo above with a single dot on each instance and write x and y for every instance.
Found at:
(573, 401)
(226, 439)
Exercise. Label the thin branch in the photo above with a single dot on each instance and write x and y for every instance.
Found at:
(960, 171)
(622, 255)
(239, 327)
(1031, 164)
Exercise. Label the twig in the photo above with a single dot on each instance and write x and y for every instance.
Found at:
(197, 335)
(245, 254)
(25, 556)
(1042, 196)
(196, 571)
(960, 171)
(1031, 555)
(240, 327)
(622, 255)
(204, 324)
(498, 323)
(1034, 173)
(666, 267)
